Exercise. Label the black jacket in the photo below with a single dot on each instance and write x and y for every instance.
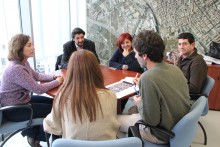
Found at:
(118, 60)
(70, 47)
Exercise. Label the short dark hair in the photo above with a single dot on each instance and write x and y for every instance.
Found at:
(188, 36)
(77, 31)
(150, 43)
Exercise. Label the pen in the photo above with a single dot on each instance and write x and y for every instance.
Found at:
(136, 91)
(127, 82)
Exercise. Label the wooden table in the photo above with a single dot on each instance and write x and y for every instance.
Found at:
(110, 76)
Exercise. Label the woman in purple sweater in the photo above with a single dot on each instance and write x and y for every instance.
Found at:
(17, 82)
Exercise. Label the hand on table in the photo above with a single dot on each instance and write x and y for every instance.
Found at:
(60, 79)
(125, 67)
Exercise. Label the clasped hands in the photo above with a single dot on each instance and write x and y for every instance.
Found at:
(60, 79)
(125, 53)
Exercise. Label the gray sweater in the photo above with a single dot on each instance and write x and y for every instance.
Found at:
(18, 80)
(165, 96)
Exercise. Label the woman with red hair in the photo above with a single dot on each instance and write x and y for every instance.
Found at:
(124, 57)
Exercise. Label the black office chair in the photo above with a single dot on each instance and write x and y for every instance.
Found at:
(58, 63)
(12, 128)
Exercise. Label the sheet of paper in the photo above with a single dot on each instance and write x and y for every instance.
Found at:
(211, 59)
(123, 89)
(129, 79)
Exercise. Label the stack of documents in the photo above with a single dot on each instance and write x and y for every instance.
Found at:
(210, 60)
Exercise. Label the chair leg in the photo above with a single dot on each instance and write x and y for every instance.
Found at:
(2, 137)
(47, 139)
(8, 137)
(204, 132)
(54, 137)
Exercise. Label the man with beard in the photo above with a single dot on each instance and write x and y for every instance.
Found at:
(78, 42)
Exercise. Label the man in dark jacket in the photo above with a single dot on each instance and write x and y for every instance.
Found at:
(78, 42)
(191, 63)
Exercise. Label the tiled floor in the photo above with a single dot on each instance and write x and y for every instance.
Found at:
(210, 122)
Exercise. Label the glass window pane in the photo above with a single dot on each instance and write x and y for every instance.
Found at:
(51, 27)
(9, 26)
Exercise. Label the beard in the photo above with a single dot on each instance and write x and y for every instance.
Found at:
(80, 44)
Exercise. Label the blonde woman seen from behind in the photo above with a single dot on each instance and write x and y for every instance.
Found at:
(83, 108)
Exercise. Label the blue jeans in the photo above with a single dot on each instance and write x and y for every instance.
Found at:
(41, 106)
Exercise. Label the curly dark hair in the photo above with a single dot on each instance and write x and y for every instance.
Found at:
(150, 43)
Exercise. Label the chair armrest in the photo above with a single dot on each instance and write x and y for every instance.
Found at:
(133, 131)
(28, 106)
(195, 96)
(168, 133)
(15, 106)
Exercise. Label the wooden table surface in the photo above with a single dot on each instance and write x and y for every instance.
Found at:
(110, 76)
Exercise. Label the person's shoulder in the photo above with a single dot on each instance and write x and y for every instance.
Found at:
(89, 41)
(68, 43)
(199, 59)
(148, 75)
(14, 67)
(132, 53)
(117, 50)
(106, 93)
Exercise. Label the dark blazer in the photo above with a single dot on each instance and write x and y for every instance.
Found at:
(118, 60)
(69, 47)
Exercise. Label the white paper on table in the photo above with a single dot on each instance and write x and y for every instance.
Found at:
(211, 59)
(128, 79)
(126, 91)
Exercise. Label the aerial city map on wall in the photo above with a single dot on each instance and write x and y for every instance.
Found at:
(107, 19)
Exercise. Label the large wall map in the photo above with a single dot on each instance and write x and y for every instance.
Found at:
(107, 19)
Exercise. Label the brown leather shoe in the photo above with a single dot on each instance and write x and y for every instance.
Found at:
(33, 143)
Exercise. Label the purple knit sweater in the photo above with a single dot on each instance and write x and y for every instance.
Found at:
(18, 80)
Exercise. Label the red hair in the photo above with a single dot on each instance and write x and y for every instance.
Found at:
(121, 38)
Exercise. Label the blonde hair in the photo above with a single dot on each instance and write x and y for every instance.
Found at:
(83, 78)
(16, 46)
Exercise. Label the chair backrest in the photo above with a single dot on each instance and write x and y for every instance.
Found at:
(12, 127)
(123, 142)
(1, 116)
(206, 89)
(58, 62)
(207, 86)
(185, 129)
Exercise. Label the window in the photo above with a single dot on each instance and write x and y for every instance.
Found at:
(9, 26)
(51, 29)
(51, 26)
